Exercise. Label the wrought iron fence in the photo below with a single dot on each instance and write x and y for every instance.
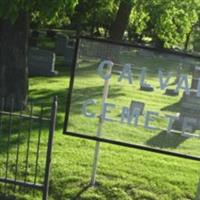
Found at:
(26, 140)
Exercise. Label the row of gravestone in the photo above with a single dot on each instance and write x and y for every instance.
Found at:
(42, 62)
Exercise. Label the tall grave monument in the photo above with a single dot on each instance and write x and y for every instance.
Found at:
(190, 105)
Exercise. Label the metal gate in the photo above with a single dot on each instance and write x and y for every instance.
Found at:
(26, 139)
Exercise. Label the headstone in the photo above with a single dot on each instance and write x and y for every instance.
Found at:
(171, 92)
(60, 46)
(41, 62)
(69, 55)
(190, 107)
(147, 87)
(195, 77)
(137, 107)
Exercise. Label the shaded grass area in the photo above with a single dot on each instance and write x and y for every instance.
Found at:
(123, 174)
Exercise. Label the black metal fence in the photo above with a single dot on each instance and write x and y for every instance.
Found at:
(26, 139)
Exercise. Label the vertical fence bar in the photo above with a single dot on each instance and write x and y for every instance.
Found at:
(197, 197)
(2, 108)
(1, 124)
(9, 135)
(38, 145)
(28, 142)
(49, 148)
(18, 143)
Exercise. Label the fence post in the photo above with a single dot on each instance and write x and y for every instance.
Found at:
(49, 148)
(198, 192)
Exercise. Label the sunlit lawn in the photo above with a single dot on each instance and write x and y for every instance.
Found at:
(123, 174)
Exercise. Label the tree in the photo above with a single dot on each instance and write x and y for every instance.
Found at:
(167, 23)
(14, 29)
(120, 23)
(13, 57)
(176, 21)
(60, 16)
(196, 38)
(91, 15)
(138, 23)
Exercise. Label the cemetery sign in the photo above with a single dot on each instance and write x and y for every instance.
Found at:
(135, 96)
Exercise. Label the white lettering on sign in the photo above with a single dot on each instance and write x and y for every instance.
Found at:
(132, 115)
(102, 68)
(105, 110)
(85, 106)
(105, 72)
(126, 74)
(128, 115)
(142, 76)
(183, 84)
(150, 117)
(163, 83)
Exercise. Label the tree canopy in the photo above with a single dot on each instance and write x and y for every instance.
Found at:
(163, 22)
(44, 11)
(96, 14)
(168, 22)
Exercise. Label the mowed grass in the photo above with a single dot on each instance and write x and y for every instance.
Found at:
(89, 85)
(123, 174)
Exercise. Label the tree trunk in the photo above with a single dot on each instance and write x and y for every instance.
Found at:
(187, 40)
(13, 58)
(118, 27)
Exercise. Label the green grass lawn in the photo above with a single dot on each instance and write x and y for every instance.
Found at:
(123, 174)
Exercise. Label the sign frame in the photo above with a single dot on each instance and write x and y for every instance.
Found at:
(110, 141)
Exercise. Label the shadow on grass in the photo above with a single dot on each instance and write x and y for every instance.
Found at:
(176, 107)
(84, 189)
(12, 144)
(165, 140)
(78, 97)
